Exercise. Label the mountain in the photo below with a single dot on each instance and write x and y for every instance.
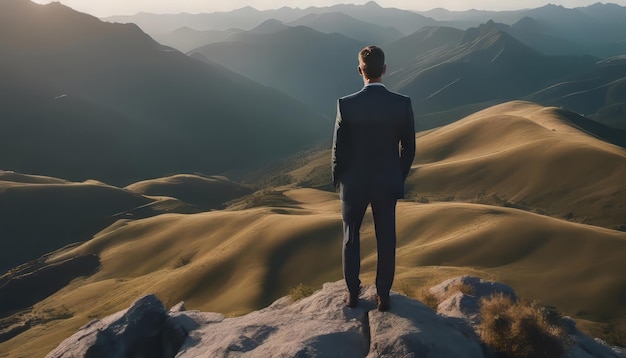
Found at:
(486, 66)
(310, 66)
(600, 93)
(82, 99)
(405, 21)
(597, 30)
(595, 33)
(406, 50)
(471, 18)
(185, 39)
(337, 22)
(245, 18)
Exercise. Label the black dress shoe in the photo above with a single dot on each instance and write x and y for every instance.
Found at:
(352, 299)
(383, 303)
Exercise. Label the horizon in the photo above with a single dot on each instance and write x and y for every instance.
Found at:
(105, 8)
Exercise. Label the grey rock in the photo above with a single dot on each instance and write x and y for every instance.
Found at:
(583, 346)
(179, 307)
(317, 326)
(459, 305)
(411, 329)
(320, 325)
(134, 332)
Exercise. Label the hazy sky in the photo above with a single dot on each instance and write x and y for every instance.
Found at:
(126, 7)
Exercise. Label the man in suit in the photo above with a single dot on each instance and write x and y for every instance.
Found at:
(373, 148)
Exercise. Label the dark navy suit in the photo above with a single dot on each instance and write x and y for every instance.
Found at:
(373, 148)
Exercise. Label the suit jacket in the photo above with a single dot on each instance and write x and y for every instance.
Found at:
(373, 144)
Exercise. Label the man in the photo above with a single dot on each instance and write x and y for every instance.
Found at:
(373, 148)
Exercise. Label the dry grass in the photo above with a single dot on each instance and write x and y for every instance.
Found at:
(519, 329)
(301, 291)
(461, 287)
(428, 298)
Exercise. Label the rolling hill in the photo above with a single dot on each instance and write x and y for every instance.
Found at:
(517, 154)
(83, 99)
(237, 261)
(41, 214)
(205, 193)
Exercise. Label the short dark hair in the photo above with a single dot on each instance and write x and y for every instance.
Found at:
(373, 60)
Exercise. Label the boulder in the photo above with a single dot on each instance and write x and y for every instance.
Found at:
(134, 332)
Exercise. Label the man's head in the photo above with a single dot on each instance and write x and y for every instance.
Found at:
(372, 63)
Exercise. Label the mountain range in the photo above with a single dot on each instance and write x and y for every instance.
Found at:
(446, 61)
(597, 30)
(86, 99)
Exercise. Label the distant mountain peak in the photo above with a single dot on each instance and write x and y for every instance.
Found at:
(372, 4)
(247, 9)
(270, 26)
(490, 28)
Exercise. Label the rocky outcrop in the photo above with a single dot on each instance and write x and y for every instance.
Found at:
(135, 332)
(316, 326)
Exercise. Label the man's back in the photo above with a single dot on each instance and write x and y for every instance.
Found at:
(373, 122)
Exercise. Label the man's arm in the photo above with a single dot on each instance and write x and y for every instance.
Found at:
(407, 142)
(338, 147)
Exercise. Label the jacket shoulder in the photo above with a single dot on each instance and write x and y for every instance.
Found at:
(350, 96)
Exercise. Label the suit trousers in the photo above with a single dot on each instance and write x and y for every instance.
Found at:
(384, 213)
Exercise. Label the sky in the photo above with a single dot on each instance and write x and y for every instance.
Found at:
(130, 7)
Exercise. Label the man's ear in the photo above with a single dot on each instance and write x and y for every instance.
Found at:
(360, 70)
(384, 69)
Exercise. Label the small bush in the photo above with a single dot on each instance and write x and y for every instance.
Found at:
(183, 261)
(517, 329)
(461, 287)
(301, 291)
(428, 299)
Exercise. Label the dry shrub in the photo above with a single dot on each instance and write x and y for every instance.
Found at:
(406, 289)
(460, 287)
(517, 329)
(428, 298)
(301, 291)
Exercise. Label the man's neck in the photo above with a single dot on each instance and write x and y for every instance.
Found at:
(369, 81)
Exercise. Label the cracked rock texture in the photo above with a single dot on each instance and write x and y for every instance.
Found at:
(317, 326)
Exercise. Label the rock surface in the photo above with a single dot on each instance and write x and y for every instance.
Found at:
(316, 326)
(135, 332)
